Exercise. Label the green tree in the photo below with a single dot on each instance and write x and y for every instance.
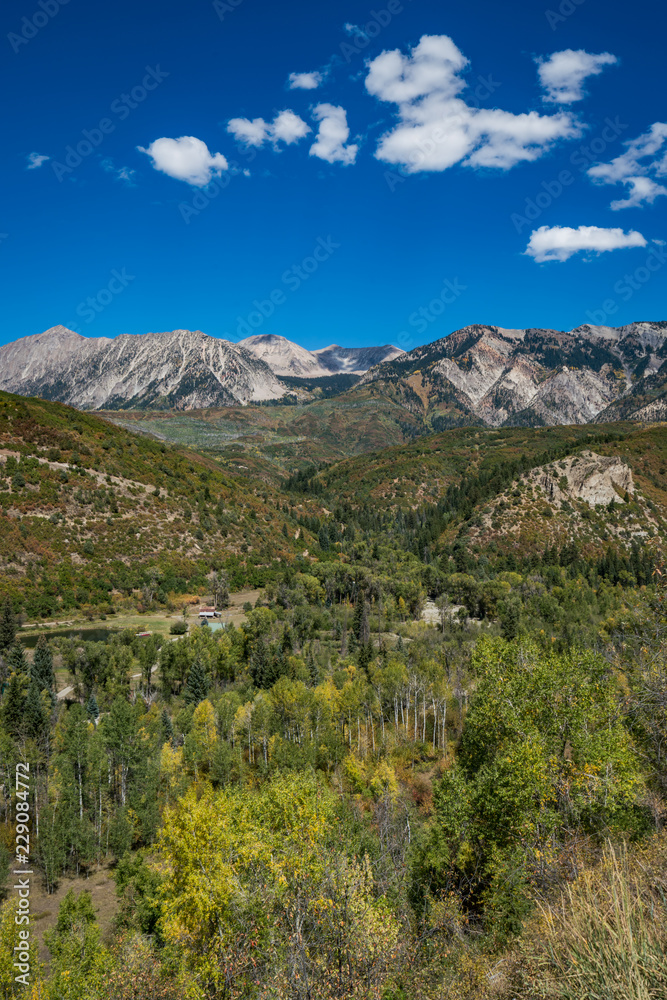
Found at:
(35, 718)
(544, 757)
(360, 623)
(8, 628)
(78, 958)
(121, 833)
(120, 735)
(167, 727)
(72, 739)
(197, 686)
(92, 709)
(12, 706)
(42, 667)
(17, 662)
(510, 618)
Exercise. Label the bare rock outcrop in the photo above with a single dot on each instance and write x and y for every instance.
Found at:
(596, 479)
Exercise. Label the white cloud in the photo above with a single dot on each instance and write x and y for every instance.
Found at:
(562, 74)
(286, 127)
(36, 160)
(250, 133)
(505, 139)
(305, 81)
(561, 242)
(642, 191)
(647, 154)
(437, 128)
(186, 159)
(332, 135)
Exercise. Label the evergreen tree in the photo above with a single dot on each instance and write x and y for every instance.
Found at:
(197, 686)
(92, 709)
(7, 626)
(35, 718)
(510, 620)
(358, 616)
(365, 655)
(41, 671)
(12, 706)
(287, 643)
(17, 662)
(167, 727)
(119, 729)
(260, 666)
(312, 667)
(365, 633)
(360, 622)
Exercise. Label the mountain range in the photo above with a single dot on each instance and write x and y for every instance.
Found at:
(482, 375)
(494, 377)
(182, 369)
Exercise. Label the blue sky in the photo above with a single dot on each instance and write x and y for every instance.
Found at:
(433, 172)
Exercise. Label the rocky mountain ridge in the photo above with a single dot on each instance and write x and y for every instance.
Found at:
(181, 369)
(535, 377)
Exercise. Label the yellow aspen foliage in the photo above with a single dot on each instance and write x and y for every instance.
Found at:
(230, 859)
(171, 770)
(203, 736)
(384, 781)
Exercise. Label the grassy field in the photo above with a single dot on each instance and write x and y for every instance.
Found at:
(156, 622)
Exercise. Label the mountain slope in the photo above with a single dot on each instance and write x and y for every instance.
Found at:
(283, 356)
(487, 375)
(287, 358)
(502, 498)
(356, 360)
(647, 400)
(89, 511)
(180, 369)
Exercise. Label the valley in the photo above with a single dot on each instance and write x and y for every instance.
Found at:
(417, 627)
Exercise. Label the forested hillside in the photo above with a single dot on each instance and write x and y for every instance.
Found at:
(91, 513)
(426, 762)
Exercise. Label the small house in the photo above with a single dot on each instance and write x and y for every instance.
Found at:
(208, 613)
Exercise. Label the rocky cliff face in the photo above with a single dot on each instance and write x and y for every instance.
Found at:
(494, 376)
(181, 369)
